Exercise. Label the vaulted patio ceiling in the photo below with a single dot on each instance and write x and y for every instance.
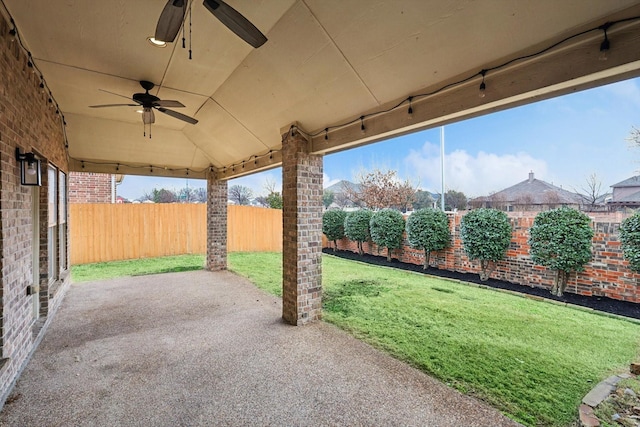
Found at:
(327, 62)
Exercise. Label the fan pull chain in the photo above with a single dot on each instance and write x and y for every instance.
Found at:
(189, 30)
(183, 36)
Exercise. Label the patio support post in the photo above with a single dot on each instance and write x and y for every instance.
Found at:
(216, 224)
(302, 231)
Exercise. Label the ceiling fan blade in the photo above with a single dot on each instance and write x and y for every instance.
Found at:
(168, 103)
(170, 20)
(236, 22)
(177, 115)
(113, 105)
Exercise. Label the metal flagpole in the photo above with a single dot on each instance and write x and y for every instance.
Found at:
(442, 166)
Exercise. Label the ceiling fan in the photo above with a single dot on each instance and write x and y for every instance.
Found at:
(149, 103)
(174, 11)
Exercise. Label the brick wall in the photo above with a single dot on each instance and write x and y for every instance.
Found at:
(607, 274)
(302, 232)
(88, 187)
(26, 122)
(216, 224)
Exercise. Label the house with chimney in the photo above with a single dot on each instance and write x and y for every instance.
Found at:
(530, 195)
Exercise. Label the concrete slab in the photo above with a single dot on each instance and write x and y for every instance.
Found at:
(202, 348)
(601, 391)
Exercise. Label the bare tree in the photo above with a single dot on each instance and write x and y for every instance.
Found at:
(343, 199)
(240, 194)
(524, 203)
(270, 186)
(498, 201)
(592, 190)
(552, 199)
(634, 136)
(200, 195)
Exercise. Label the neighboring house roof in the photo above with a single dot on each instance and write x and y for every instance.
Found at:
(634, 181)
(534, 192)
(338, 187)
(633, 198)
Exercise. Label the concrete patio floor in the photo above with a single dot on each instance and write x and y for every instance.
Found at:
(202, 348)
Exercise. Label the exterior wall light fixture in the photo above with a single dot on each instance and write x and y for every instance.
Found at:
(30, 173)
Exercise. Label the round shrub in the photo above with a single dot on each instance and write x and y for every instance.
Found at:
(356, 227)
(560, 239)
(333, 225)
(630, 238)
(486, 234)
(428, 229)
(387, 227)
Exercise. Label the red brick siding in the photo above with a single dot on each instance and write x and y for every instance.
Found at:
(27, 122)
(607, 274)
(88, 187)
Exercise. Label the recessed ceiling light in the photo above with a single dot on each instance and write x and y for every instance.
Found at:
(156, 43)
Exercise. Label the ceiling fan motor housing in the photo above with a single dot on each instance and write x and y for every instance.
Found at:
(145, 99)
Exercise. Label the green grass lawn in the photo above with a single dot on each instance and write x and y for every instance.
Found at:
(136, 267)
(532, 360)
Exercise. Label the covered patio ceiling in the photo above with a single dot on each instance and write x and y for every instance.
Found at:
(326, 63)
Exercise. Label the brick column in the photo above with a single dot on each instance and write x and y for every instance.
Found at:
(216, 224)
(302, 232)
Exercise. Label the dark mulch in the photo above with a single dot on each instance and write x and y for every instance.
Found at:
(608, 305)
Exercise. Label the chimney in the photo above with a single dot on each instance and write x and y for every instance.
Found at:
(531, 178)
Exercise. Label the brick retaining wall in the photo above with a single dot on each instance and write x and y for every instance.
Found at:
(607, 274)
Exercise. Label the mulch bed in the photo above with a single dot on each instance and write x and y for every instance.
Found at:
(605, 304)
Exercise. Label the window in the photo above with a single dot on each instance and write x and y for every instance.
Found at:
(52, 223)
(62, 220)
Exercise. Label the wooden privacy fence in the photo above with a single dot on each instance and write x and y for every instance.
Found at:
(110, 232)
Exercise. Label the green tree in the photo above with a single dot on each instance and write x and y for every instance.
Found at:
(387, 227)
(486, 234)
(356, 227)
(274, 200)
(423, 200)
(428, 229)
(630, 238)
(560, 239)
(327, 198)
(454, 200)
(333, 225)
(161, 195)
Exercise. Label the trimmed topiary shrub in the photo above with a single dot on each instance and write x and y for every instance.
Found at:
(356, 227)
(630, 238)
(387, 227)
(333, 225)
(428, 229)
(560, 239)
(486, 234)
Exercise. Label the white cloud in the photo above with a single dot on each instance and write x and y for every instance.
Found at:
(474, 175)
(328, 182)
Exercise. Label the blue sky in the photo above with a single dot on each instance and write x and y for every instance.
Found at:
(562, 140)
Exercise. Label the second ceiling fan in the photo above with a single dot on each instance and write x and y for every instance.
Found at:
(174, 11)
